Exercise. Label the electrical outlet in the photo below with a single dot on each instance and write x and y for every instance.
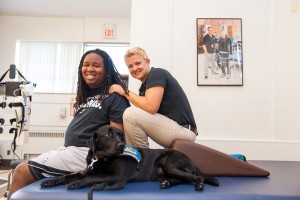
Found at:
(8, 152)
(62, 111)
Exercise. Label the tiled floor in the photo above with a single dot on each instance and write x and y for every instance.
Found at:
(3, 187)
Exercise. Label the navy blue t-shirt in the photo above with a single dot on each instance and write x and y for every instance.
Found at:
(92, 115)
(209, 42)
(174, 104)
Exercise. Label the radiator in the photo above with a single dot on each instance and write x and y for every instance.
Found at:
(46, 134)
(42, 141)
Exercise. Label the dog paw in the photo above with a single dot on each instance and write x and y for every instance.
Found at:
(199, 186)
(75, 185)
(49, 183)
(164, 184)
(46, 184)
(99, 186)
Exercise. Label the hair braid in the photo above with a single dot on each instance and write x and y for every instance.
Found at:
(112, 77)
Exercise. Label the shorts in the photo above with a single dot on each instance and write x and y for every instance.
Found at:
(63, 161)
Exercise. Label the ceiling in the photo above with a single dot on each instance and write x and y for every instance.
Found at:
(67, 8)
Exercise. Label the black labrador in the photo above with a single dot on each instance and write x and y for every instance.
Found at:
(109, 167)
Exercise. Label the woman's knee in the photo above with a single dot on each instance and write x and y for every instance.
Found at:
(130, 114)
(23, 171)
(21, 168)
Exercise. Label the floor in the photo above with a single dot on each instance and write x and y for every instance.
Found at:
(236, 77)
(3, 187)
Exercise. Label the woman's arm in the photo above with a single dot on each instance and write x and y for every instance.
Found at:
(150, 102)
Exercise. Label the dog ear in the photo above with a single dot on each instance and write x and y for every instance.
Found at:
(123, 137)
(120, 134)
(92, 141)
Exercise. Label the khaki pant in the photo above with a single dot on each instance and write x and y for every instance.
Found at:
(139, 125)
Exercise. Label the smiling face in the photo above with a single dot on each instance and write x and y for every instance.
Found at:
(93, 70)
(138, 66)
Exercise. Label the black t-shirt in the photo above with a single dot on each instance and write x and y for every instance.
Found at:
(209, 42)
(92, 115)
(225, 45)
(174, 104)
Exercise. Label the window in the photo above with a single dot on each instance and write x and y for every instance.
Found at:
(116, 52)
(51, 65)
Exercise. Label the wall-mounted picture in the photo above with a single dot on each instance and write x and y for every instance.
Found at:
(219, 52)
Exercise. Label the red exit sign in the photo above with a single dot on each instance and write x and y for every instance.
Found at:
(109, 31)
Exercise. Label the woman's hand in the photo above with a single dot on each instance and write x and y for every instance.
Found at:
(116, 88)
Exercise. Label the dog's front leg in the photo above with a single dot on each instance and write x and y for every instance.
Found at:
(61, 180)
(91, 180)
(77, 184)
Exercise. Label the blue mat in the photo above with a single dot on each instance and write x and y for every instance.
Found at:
(283, 183)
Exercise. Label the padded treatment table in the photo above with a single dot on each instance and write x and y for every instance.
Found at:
(283, 183)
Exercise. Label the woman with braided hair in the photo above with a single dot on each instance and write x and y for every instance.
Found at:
(112, 76)
(94, 107)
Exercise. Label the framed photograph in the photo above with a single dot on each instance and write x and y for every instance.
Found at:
(219, 52)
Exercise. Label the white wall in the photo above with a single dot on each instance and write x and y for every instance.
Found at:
(54, 29)
(46, 107)
(259, 119)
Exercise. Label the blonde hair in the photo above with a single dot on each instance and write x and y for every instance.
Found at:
(136, 51)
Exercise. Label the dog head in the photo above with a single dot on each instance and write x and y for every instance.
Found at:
(106, 141)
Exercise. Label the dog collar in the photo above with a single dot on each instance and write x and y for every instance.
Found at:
(132, 152)
(93, 160)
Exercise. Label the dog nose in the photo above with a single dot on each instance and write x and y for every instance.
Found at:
(120, 145)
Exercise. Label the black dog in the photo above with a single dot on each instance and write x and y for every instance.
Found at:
(110, 169)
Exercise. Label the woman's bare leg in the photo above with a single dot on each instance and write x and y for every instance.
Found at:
(21, 178)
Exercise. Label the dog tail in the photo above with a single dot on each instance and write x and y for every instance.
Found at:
(208, 179)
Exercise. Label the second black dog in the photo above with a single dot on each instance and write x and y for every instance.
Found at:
(107, 165)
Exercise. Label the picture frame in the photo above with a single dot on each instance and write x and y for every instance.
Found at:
(219, 52)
